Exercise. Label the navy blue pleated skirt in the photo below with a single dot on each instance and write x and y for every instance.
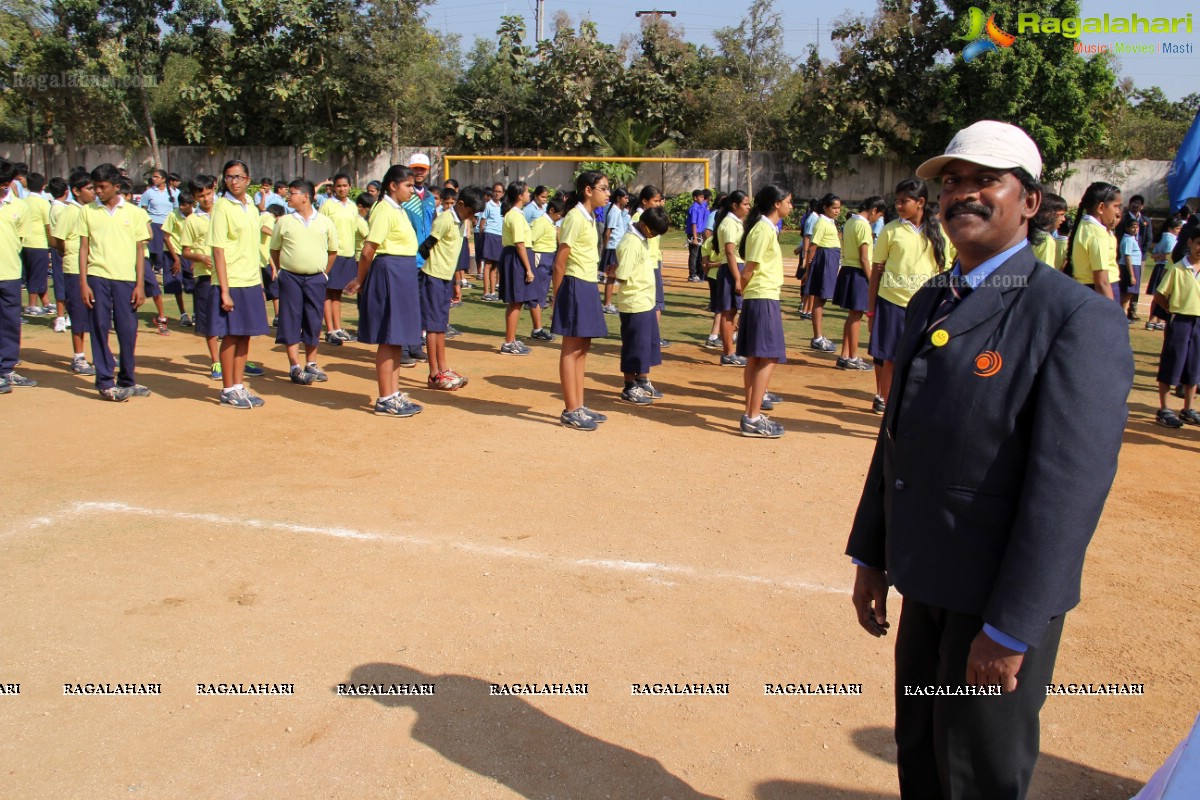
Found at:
(389, 306)
(760, 330)
(542, 272)
(493, 246)
(344, 269)
(852, 289)
(823, 273)
(724, 297)
(886, 330)
(513, 288)
(577, 310)
(248, 317)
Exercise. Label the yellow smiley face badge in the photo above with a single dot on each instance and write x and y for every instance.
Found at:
(940, 337)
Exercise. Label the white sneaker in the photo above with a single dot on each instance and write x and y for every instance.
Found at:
(68, 319)
(60, 324)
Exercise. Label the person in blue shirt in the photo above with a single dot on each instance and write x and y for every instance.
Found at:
(616, 225)
(537, 204)
(158, 203)
(420, 208)
(489, 244)
(1129, 262)
(697, 218)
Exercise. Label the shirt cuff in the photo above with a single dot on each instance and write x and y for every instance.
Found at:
(858, 563)
(1000, 637)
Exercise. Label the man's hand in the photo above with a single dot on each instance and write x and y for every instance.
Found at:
(990, 663)
(870, 600)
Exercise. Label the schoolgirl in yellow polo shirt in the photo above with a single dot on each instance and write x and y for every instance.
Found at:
(237, 311)
(1092, 248)
(438, 286)
(389, 308)
(909, 251)
(516, 265)
(821, 267)
(640, 348)
(544, 231)
(578, 317)
(726, 296)
(12, 220)
(35, 252)
(760, 331)
(853, 281)
(112, 261)
(343, 212)
(66, 238)
(1179, 364)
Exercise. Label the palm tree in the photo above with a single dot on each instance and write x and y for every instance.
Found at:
(628, 139)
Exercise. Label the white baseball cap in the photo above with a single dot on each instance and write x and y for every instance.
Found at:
(419, 160)
(988, 143)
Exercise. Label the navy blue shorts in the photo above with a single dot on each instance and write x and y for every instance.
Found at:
(344, 269)
(464, 255)
(542, 273)
(200, 301)
(1179, 364)
(724, 298)
(56, 274)
(389, 305)
(513, 288)
(154, 247)
(248, 317)
(493, 246)
(479, 245)
(577, 310)
(823, 273)
(270, 287)
(660, 299)
(1134, 284)
(436, 296)
(35, 263)
(77, 310)
(183, 283)
(760, 330)
(150, 285)
(10, 324)
(886, 330)
(301, 308)
(609, 258)
(640, 349)
(852, 289)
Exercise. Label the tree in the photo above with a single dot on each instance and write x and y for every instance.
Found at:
(575, 82)
(1148, 125)
(753, 63)
(662, 85)
(496, 92)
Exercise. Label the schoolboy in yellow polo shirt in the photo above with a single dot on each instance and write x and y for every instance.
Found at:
(35, 243)
(343, 212)
(640, 348)
(193, 241)
(66, 239)
(303, 246)
(12, 218)
(112, 259)
(1179, 365)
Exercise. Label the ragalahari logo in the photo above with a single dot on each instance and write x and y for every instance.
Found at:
(985, 36)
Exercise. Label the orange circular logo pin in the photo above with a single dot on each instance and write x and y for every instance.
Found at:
(988, 363)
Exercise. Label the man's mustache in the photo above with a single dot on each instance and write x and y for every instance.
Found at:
(966, 207)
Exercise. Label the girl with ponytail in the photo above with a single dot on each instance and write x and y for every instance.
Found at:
(909, 252)
(516, 268)
(760, 333)
(1092, 248)
(726, 274)
(821, 267)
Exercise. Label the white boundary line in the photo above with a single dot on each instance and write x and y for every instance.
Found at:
(650, 570)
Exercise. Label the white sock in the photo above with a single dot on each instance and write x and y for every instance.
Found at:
(80, 357)
(754, 419)
(312, 363)
(391, 396)
(237, 387)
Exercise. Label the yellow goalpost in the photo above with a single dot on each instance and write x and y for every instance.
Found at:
(447, 159)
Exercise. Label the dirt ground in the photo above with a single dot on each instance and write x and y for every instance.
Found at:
(172, 541)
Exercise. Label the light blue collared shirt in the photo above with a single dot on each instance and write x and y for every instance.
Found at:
(984, 271)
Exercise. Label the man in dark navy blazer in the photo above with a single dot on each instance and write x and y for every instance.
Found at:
(991, 469)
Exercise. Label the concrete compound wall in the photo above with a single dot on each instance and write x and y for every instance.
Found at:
(728, 169)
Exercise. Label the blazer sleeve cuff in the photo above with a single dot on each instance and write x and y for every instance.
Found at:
(999, 637)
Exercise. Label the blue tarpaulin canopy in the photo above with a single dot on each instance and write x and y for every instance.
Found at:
(1183, 181)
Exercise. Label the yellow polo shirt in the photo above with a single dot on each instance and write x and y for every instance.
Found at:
(235, 228)
(194, 236)
(1181, 287)
(635, 272)
(443, 258)
(516, 229)
(579, 233)
(12, 220)
(855, 233)
(655, 243)
(66, 227)
(172, 226)
(762, 247)
(391, 231)
(825, 233)
(36, 220)
(1095, 249)
(113, 239)
(361, 228)
(344, 217)
(907, 258)
(544, 234)
(728, 232)
(304, 248)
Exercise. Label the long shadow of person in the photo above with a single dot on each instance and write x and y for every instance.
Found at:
(510, 741)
